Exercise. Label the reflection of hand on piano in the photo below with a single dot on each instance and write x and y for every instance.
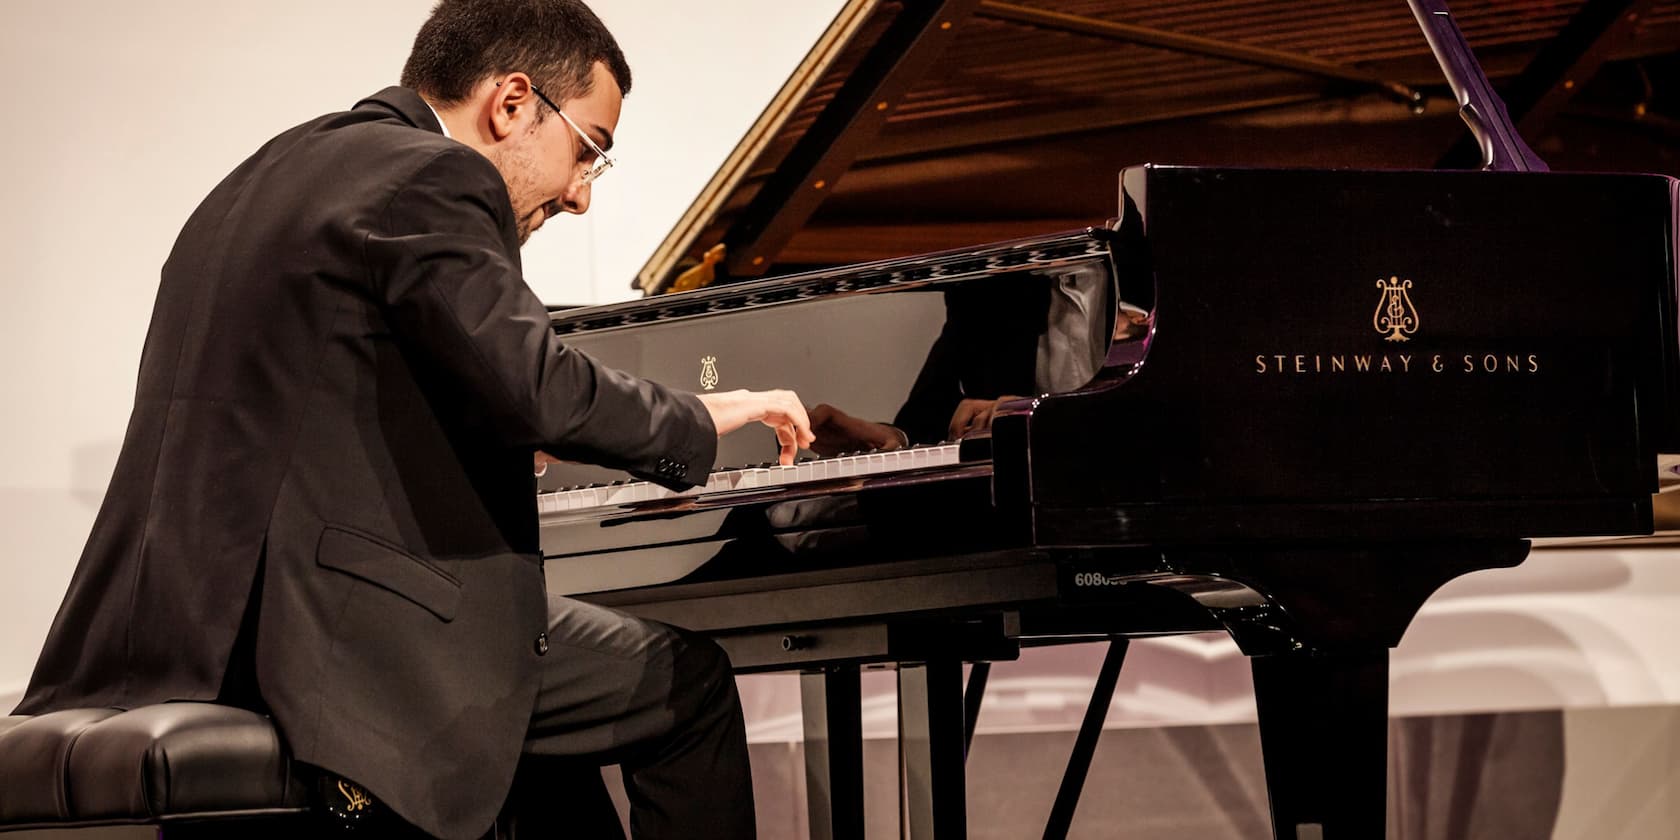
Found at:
(1131, 323)
(780, 410)
(837, 432)
(974, 416)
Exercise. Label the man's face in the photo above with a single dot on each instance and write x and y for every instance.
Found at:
(544, 167)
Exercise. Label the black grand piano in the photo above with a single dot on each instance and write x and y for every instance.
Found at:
(1288, 404)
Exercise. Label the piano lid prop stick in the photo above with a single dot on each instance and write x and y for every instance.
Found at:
(701, 275)
(1483, 111)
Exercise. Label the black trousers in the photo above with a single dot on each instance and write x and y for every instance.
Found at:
(657, 701)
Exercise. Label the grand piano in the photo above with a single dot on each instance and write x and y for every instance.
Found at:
(1285, 404)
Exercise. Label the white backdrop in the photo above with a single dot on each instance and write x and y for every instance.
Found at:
(120, 116)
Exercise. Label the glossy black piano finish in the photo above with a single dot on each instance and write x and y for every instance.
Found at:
(899, 343)
(1527, 395)
(1243, 394)
(1312, 397)
(890, 341)
(1288, 404)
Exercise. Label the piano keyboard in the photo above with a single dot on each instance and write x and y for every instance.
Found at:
(748, 478)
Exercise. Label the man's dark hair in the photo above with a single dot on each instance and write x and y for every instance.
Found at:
(555, 42)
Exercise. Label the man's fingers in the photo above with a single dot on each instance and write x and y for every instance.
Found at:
(973, 415)
(780, 410)
(795, 412)
(540, 462)
(788, 437)
(961, 420)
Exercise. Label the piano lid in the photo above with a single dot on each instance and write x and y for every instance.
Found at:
(919, 125)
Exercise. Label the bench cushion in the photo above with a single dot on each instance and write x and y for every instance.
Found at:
(172, 760)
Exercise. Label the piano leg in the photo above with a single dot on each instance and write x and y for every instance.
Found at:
(1085, 744)
(978, 674)
(1324, 741)
(931, 741)
(832, 703)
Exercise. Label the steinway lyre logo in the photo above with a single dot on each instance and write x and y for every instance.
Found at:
(355, 799)
(708, 372)
(1396, 317)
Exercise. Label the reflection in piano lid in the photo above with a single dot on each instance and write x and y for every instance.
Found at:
(898, 346)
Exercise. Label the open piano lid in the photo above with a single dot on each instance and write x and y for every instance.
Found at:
(921, 125)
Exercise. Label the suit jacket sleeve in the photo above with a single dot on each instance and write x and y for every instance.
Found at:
(438, 255)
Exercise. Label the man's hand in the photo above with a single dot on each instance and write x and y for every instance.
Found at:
(973, 417)
(540, 462)
(780, 410)
(839, 432)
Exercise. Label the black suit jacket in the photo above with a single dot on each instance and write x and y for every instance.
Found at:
(343, 383)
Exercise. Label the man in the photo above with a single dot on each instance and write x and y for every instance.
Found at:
(324, 505)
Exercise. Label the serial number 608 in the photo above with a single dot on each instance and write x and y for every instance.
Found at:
(1097, 579)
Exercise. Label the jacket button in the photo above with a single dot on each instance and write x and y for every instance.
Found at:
(541, 644)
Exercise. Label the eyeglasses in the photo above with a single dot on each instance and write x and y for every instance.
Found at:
(602, 162)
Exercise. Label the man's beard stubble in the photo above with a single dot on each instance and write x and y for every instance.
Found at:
(516, 166)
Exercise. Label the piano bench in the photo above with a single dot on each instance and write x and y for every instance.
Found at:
(191, 769)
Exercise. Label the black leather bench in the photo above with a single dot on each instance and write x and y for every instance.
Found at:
(192, 769)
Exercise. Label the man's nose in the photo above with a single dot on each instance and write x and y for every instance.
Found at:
(576, 199)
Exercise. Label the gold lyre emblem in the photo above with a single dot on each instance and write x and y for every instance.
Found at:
(708, 373)
(355, 799)
(1395, 317)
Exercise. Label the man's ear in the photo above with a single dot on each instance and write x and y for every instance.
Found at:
(511, 103)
